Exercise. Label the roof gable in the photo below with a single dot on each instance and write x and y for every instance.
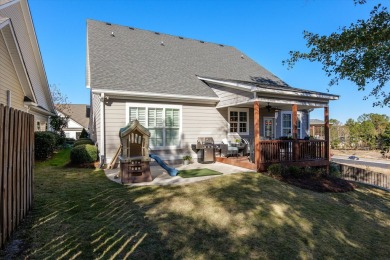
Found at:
(128, 59)
(18, 12)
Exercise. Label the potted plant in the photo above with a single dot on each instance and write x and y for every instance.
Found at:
(186, 159)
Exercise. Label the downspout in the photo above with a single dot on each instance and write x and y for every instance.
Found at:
(102, 131)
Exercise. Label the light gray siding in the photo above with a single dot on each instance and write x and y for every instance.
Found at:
(197, 121)
(230, 96)
(94, 126)
(9, 79)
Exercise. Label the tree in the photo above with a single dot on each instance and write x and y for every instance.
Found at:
(385, 141)
(335, 132)
(60, 100)
(359, 53)
(354, 133)
(380, 121)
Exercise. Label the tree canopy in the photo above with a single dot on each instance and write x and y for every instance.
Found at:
(359, 53)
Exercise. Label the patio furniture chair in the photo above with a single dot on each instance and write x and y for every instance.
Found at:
(228, 149)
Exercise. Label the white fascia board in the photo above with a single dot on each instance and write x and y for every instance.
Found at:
(293, 102)
(88, 72)
(312, 104)
(249, 88)
(297, 94)
(41, 111)
(169, 97)
(228, 84)
(8, 4)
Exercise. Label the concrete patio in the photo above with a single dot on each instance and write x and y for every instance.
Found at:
(161, 177)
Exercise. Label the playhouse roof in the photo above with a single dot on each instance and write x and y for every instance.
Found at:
(134, 125)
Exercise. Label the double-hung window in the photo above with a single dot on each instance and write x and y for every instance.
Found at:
(287, 124)
(239, 120)
(163, 122)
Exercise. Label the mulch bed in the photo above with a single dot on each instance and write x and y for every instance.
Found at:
(320, 184)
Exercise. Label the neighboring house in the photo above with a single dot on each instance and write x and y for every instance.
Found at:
(23, 82)
(78, 119)
(182, 89)
(317, 129)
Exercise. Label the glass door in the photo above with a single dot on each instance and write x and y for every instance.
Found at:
(269, 128)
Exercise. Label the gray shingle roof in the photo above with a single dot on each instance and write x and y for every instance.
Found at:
(143, 61)
(77, 113)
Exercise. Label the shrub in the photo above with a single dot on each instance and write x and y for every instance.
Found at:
(334, 170)
(83, 141)
(84, 134)
(84, 153)
(275, 169)
(294, 171)
(70, 140)
(45, 143)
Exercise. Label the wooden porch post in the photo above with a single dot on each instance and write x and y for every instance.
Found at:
(295, 132)
(327, 143)
(256, 122)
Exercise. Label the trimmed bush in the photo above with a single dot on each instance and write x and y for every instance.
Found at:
(70, 141)
(83, 141)
(294, 171)
(84, 134)
(334, 170)
(83, 153)
(45, 143)
(275, 169)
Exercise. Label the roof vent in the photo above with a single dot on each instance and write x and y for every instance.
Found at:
(157, 33)
(112, 34)
(221, 45)
(181, 37)
(201, 41)
(108, 23)
(162, 43)
(242, 56)
(131, 28)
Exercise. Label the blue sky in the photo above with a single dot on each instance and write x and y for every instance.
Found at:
(264, 30)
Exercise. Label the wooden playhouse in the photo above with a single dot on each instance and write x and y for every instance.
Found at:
(134, 159)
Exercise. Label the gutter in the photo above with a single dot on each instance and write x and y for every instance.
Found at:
(160, 96)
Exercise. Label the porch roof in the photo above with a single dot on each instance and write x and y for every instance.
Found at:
(277, 96)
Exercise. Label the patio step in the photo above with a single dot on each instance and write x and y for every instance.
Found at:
(237, 161)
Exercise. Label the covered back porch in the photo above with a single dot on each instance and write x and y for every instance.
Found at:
(295, 150)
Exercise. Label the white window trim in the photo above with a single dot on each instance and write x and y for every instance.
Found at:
(274, 126)
(239, 109)
(163, 106)
(299, 115)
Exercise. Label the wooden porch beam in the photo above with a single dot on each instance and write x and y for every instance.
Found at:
(295, 131)
(294, 122)
(326, 125)
(256, 122)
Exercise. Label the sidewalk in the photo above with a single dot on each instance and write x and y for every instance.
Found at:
(161, 177)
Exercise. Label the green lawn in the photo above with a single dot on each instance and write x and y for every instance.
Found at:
(197, 173)
(78, 213)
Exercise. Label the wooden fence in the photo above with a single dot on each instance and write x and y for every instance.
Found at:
(365, 176)
(16, 168)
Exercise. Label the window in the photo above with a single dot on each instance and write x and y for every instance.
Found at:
(238, 120)
(163, 122)
(287, 124)
(38, 126)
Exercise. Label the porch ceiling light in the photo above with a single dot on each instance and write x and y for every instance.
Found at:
(268, 107)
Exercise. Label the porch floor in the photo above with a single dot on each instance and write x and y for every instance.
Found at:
(240, 161)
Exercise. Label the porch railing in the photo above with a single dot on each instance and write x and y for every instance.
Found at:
(292, 150)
